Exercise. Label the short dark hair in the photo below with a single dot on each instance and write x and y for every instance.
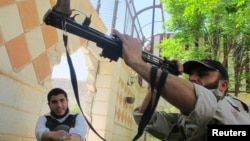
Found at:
(56, 91)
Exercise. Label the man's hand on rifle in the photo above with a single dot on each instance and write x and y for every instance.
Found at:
(132, 49)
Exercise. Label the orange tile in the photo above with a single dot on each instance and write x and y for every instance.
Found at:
(122, 117)
(119, 114)
(53, 2)
(18, 52)
(1, 37)
(125, 118)
(49, 35)
(28, 13)
(42, 67)
(82, 41)
(6, 2)
(130, 121)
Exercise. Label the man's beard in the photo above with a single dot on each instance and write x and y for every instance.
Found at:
(56, 116)
(213, 85)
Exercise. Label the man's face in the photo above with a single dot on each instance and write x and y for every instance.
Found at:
(58, 104)
(205, 77)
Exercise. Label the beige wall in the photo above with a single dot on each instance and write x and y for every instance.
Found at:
(28, 51)
(245, 98)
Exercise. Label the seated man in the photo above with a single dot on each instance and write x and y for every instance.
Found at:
(60, 123)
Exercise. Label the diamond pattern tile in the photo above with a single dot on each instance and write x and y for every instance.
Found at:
(6, 2)
(42, 67)
(28, 13)
(49, 35)
(18, 52)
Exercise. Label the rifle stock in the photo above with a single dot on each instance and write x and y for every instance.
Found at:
(111, 45)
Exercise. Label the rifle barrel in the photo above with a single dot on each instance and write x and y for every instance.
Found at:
(112, 46)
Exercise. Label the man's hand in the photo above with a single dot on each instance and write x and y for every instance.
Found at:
(56, 136)
(179, 66)
(132, 49)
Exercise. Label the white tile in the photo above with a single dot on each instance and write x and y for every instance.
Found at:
(42, 7)
(4, 60)
(35, 42)
(10, 22)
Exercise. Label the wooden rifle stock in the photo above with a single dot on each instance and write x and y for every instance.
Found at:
(111, 45)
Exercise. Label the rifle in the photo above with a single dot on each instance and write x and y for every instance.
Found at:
(59, 17)
(111, 45)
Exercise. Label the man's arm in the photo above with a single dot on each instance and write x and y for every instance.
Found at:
(75, 137)
(44, 134)
(79, 131)
(145, 102)
(56, 135)
(177, 91)
(47, 136)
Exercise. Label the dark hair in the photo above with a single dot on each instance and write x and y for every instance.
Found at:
(55, 92)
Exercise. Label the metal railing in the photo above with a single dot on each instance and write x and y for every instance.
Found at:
(124, 16)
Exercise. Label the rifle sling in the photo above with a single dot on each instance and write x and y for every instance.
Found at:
(152, 104)
(150, 107)
(75, 86)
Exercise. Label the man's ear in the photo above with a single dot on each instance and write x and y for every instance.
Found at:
(223, 85)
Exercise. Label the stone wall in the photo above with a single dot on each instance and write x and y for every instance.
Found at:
(28, 51)
(245, 98)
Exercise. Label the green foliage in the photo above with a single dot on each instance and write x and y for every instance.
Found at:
(174, 48)
(75, 108)
(217, 29)
(171, 109)
(152, 138)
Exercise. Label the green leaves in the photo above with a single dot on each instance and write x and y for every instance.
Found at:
(213, 29)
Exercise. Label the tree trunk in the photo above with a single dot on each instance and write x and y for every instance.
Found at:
(247, 74)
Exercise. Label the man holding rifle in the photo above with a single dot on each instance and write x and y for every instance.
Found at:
(202, 100)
